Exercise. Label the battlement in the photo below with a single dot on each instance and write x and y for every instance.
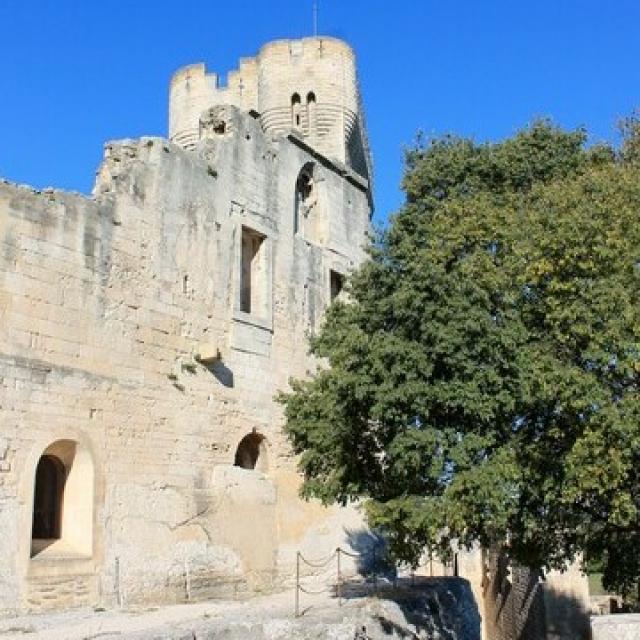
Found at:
(307, 86)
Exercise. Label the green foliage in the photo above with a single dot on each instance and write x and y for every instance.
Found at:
(483, 378)
(630, 130)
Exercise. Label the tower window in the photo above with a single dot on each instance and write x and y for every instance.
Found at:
(253, 285)
(305, 186)
(295, 110)
(305, 196)
(311, 113)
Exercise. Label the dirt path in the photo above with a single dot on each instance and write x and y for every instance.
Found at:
(84, 624)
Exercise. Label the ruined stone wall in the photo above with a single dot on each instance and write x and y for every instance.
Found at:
(616, 627)
(104, 305)
(520, 604)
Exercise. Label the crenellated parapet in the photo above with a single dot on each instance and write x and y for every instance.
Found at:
(307, 86)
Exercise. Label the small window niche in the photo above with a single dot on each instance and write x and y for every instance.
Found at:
(254, 286)
(311, 113)
(296, 111)
(306, 200)
(336, 284)
(251, 452)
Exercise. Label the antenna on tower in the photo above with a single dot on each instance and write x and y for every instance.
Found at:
(315, 17)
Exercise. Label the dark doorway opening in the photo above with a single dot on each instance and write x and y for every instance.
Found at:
(47, 499)
(248, 451)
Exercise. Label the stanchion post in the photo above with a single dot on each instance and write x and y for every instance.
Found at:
(297, 584)
(117, 582)
(338, 550)
(375, 572)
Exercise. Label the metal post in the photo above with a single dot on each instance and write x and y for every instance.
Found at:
(338, 550)
(117, 581)
(375, 572)
(297, 584)
(187, 580)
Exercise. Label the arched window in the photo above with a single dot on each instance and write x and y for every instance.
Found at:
(295, 111)
(63, 500)
(311, 113)
(47, 498)
(305, 198)
(251, 452)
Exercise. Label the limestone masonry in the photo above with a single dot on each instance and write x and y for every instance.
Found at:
(146, 330)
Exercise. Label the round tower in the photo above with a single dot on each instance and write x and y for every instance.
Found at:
(308, 87)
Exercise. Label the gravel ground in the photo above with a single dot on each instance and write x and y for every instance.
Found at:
(433, 609)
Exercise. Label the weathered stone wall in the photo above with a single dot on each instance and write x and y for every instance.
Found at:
(104, 305)
(519, 604)
(616, 627)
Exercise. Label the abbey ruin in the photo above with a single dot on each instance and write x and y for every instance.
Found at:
(146, 330)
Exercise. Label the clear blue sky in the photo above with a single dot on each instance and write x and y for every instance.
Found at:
(77, 73)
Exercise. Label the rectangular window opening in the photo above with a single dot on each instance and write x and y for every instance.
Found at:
(336, 283)
(253, 281)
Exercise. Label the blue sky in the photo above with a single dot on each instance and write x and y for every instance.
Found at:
(77, 73)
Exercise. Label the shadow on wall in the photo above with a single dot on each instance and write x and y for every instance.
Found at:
(519, 605)
(373, 552)
(566, 617)
(443, 607)
(222, 373)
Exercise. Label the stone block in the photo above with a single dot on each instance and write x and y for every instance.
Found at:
(616, 627)
(208, 353)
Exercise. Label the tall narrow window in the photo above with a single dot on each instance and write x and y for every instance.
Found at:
(336, 283)
(295, 110)
(253, 285)
(305, 197)
(47, 499)
(311, 113)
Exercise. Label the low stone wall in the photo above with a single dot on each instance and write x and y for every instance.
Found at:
(616, 627)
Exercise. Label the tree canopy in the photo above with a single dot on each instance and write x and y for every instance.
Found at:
(481, 381)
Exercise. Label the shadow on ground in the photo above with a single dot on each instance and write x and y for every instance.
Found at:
(442, 608)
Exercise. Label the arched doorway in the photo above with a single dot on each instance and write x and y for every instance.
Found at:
(63, 501)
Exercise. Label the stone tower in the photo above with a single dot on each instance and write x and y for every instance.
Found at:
(306, 86)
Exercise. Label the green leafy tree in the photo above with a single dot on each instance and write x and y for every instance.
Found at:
(481, 383)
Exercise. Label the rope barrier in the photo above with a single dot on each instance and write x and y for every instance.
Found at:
(341, 577)
(318, 564)
(311, 592)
